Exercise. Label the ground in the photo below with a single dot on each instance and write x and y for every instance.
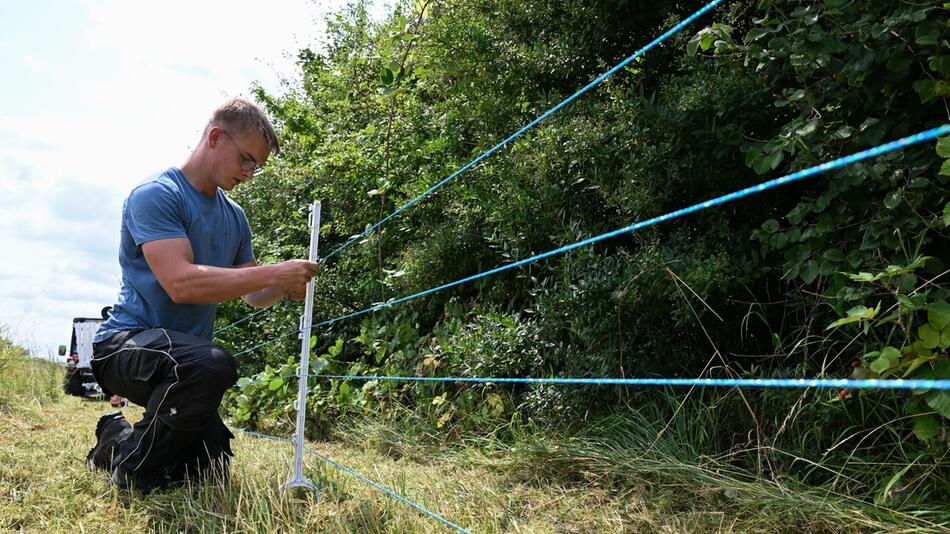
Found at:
(45, 487)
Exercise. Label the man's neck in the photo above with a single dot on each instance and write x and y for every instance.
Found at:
(198, 176)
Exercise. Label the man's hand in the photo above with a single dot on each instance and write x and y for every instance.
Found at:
(288, 279)
(292, 277)
(297, 294)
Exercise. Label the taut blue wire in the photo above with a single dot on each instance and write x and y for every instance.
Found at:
(513, 136)
(689, 20)
(241, 320)
(264, 344)
(788, 178)
(376, 485)
(824, 383)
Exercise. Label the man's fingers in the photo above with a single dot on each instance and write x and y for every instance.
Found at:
(297, 273)
(309, 268)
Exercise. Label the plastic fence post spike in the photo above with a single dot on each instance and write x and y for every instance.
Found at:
(297, 478)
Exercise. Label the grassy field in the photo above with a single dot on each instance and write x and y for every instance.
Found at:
(535, 487)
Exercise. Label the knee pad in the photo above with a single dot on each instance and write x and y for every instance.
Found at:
(222, 368)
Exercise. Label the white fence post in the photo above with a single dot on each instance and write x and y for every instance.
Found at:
(297, 478)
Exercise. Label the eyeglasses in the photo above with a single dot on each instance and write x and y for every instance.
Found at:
(248, 162)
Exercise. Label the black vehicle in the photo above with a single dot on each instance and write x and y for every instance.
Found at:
(79, 380)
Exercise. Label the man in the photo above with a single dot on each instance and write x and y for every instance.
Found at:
(185, 247)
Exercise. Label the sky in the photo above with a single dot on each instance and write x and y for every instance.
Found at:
(96, 96)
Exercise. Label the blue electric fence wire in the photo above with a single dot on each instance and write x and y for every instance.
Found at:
(689, 20)
(513, 136)
(788, 178)
(241, 320)
(264, 344)
(360, 477)
(824, 383)
(387, 491)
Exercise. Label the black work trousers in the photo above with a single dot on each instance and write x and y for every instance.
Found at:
(179, 379)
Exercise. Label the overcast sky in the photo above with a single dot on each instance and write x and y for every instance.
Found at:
(97, 95)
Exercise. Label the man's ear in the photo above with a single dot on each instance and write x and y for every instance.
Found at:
(213, 136)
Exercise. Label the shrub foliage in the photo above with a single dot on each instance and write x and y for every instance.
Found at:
(841, 275)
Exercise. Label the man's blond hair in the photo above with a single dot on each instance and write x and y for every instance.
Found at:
(240, 115)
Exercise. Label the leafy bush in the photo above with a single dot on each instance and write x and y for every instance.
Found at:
(839, 275)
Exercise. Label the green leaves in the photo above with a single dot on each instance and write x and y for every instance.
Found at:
(718, 35)
(927, 33)
(926, 427)
(943, 150)
(833, 255)
(386, 76)
(939, 401)
(764, 157)
(855, 315)
(939, 315)
(891, 201)
(936, 333)
(810, 81)
(943, 147)
(933, 338)
(891, 271)
(888, 359)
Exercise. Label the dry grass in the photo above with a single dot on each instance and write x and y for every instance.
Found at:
(541, 487)
(45, 487)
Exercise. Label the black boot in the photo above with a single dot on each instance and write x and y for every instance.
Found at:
(110, 431)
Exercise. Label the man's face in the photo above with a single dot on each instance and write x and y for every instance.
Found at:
(238, 156)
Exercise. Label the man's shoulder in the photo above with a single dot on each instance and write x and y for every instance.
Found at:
(231, 202)
(158, 183)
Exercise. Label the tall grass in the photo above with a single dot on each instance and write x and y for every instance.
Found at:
(689, 457)
(674, 464)
(25, 378)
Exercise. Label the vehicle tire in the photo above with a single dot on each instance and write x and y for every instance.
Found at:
(72, 383)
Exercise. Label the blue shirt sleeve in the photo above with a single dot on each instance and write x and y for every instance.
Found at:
(154, 212)
(245, 251)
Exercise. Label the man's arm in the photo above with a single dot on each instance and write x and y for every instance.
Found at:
(172, 262)
(267, 296)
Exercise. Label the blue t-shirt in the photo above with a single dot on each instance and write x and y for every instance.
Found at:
(167, 206)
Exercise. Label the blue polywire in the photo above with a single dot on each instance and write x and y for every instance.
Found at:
(360, 477)
(512, 137)
(264, 344)
(823, 383)
(239, 321)
(682, 24)
(389, 492)
(788, 178)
